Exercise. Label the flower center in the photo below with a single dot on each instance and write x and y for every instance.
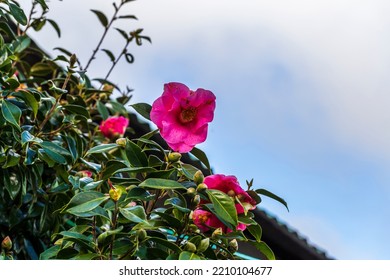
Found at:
(187, 115)
(202, 219)
(231, 193)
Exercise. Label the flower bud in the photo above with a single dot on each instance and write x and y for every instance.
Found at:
(217, 232)
(6, 244)
(84, 173)
(141, 234)
(233, 246)
(121, 142)
(201, 187)
(191, 191)
(174, 157)
(72, 60)
(103, 96)
(190, 247)
(192, 228)
(198, 177)
(196, 200)
(203, 245)
(107, 87)
(115, 194)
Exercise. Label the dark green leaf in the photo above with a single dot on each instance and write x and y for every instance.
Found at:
(54, 148)
(224, 207)
(123, 33)
(189, 170)
(111, 167)
(134, 170)
(43, 4)
(143, 109)
(102, 18)
(22, 43)
(172, 221)
(102, 110)
(29, 99)
(102, 237)
(161, 184)
(129, 16)
(17, 13)
(273, 196)
(78, 238)
(135, 156)
(87, 206)
(101, 148)
(129, 58)
(11, 113)
(55, 26)
(83, 197)
(109, 54)
(79, 110)
(199, 154)
(50, 253)
(165, 243)
(265, 250)
(134, 214)
(41, 69)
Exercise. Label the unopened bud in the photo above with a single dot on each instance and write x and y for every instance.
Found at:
(6, 244)
(190, 247)
(103, 96)
(141, 234)
(107, 87)
(192, 228)
(72, 60)
(198, 177)
(115, 194)
(196, 200)
(201, 187)
(84, 173)
(121, 142)
(203, 245)
(217, 232)
(174, 157)
(191, 191)
(233, 246)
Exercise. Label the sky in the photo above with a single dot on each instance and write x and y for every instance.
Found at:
(302, 93)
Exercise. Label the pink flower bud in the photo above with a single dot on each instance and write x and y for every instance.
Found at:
(114, 127)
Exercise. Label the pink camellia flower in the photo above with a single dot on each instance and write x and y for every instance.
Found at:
(206, 221)
(182, 115)
(114, 127)
(230, 186)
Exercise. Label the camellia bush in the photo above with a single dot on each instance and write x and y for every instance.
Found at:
(75, 182)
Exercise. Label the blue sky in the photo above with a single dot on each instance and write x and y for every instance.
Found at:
(302, 99)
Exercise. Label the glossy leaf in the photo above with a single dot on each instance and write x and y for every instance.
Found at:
(102, 110)
(143, 109)
(55, 26)
(29, 99)
(161, 184)
(265, 250)
(134, 214)
(109, 54)
(11, 113)
(17, 13)
(87, 206)
(163, 242)
(102, 149)
(79, 110)
(256, 231)
(224, 207)
(188, 256)
(273, 196)
(135, 156)
(199, 154)
(102, 237)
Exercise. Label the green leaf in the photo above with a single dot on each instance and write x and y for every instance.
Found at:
(55, 26)
(111, 167)
(11, 113)
(50, 253)
(41, 69)
(199, 154)
(17, 13)
(188, 256)
(134, 214)
(173, 222)
(101, 149)
(135, 170)
(102, 17)
(135, 156)
(82, 197)
(161, 184)
(78, 238)
(265, 250)
(43, 4)
(102, 237)
(256, 231)
(22, 43)
(87, 206)
(165, 243)
(79, 110)
(224, 207)
(143, 109)
(189, 170)
(273, 196)
(128, 16)
(102, 110)
(29, 99)
(123, 33)
(46, 145)
(109, 54)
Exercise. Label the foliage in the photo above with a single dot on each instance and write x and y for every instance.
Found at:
(69, 192)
